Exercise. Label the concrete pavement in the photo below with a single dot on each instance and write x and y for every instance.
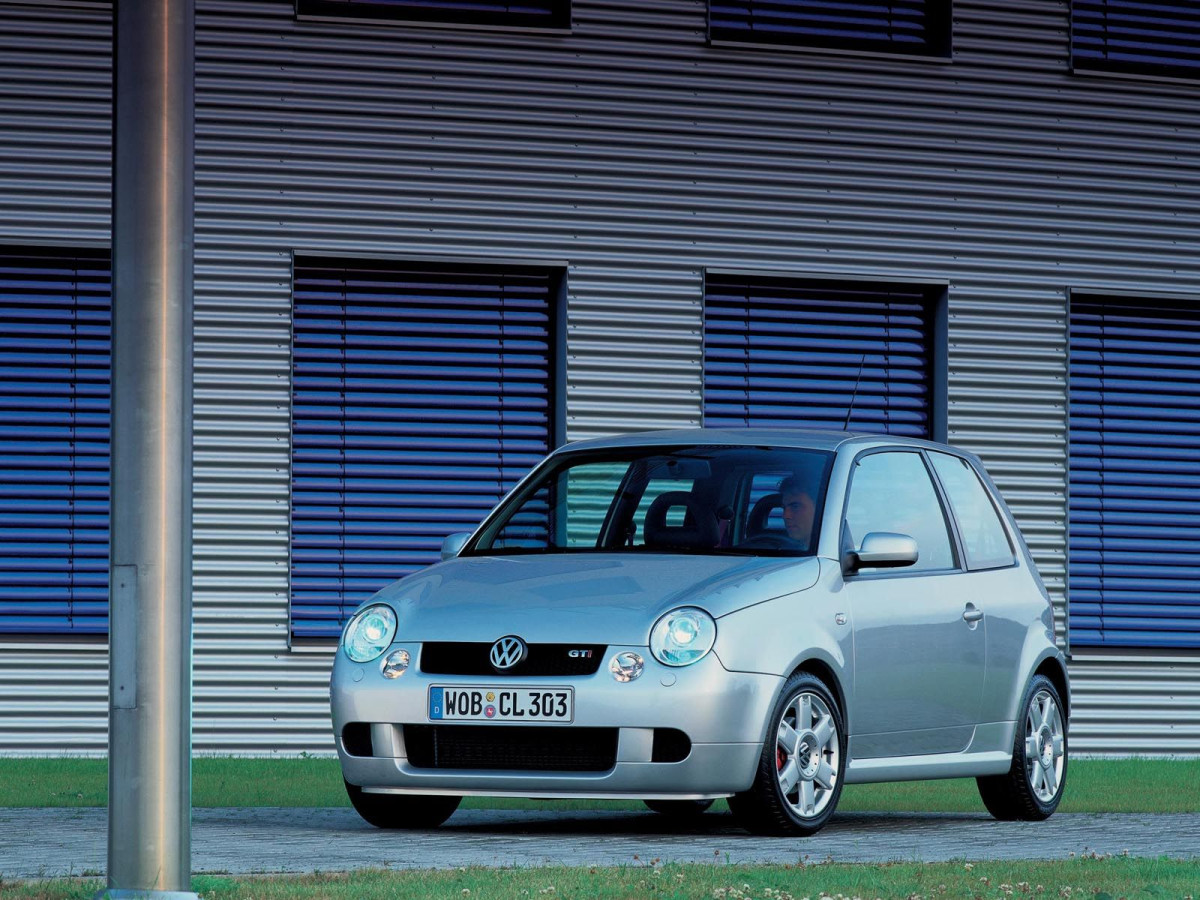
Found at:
(50, 842)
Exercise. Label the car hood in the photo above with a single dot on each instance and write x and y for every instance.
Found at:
(611, 598)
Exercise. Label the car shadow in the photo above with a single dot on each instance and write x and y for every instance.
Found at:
(601, 822)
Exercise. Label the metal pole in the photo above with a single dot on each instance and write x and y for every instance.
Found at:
(150, 568)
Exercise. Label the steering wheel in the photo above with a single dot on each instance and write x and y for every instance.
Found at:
(769, 542)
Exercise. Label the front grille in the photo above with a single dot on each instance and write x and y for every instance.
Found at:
(511, 748)
(462, 658)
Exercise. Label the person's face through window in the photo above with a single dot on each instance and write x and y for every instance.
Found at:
(798, 511)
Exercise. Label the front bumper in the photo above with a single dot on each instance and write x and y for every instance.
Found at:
(724, 714)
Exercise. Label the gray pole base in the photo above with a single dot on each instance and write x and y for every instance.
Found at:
(115, 894)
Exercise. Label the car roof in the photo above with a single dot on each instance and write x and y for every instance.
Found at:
(798, 438)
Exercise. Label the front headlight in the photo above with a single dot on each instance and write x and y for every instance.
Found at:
(683, 636)
(369, 633)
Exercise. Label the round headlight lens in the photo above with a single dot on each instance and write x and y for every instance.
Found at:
(683, 636)
(369, 633)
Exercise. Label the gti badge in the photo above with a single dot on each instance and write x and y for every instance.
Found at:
(508, 652)
(579, 654)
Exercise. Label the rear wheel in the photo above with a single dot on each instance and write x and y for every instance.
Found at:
(679, 809)
(401, 810)
(1032, 788)
(802, 767)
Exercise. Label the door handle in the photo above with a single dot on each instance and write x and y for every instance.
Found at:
(971, 614)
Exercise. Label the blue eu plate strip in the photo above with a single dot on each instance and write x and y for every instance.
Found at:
(435, 702)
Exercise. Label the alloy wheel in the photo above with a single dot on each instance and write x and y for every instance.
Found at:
(807, 753)
(1045, 746)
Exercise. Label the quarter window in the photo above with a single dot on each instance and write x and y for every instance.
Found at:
(892, 492)
(984, 539)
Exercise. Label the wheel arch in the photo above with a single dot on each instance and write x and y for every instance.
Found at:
(1054, 669)
(815, 665)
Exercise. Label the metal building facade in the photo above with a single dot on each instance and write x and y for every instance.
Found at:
(641, 156)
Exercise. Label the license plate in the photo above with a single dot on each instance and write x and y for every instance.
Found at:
(494, 704)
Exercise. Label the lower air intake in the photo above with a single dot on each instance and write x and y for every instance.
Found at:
(511, 748)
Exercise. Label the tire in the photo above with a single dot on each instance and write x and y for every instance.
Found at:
(401, 810)
(779, 803)
(679, 809)
(1032, 788)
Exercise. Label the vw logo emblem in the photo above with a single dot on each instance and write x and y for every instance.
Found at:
(508, 652)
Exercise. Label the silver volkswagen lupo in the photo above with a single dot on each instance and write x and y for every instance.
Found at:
(680, 616)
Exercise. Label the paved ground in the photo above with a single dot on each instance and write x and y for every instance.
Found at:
(45, 842)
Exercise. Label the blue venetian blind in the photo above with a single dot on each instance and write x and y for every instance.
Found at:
(1134, 578)
(420, 396)
(1140, 36)
(903, 26)
(55, 327)
(786, 353)
(554, 14)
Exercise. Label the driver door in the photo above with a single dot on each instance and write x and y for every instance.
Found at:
(918, 665)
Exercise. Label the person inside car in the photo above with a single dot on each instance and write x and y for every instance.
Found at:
(798, 510)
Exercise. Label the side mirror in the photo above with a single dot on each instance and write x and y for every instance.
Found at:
(453, 544)
(882, 550)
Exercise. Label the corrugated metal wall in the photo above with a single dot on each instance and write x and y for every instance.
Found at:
(642, 156)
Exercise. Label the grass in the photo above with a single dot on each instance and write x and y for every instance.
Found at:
(1094, 878)
(1093, 785)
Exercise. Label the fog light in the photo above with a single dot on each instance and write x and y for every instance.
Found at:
(395, 664)
(626, 666)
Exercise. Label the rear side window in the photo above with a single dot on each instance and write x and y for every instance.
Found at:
(893, 492)
(984, 539)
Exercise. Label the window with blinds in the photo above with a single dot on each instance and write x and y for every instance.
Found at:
(780, 352)
(917, 27)
(548, 14)
(1134, 541)
(420, 395)
(1151, 37)
(55, 345)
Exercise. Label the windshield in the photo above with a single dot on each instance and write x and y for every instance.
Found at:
(748, 501)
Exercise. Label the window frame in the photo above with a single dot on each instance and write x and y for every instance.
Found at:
(1094, 297)
(941, 51)
(936, 309)
(1105, 68)
(956, 547)
(91, 641)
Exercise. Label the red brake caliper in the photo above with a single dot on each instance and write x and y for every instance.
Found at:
(780, 758)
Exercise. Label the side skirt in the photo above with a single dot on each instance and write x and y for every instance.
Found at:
(981, 757)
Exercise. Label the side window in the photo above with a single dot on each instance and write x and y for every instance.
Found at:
(984, 539)
(893, 492)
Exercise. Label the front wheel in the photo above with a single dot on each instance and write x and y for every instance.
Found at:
(802, 767)
(1032, 788)
(401, 810)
